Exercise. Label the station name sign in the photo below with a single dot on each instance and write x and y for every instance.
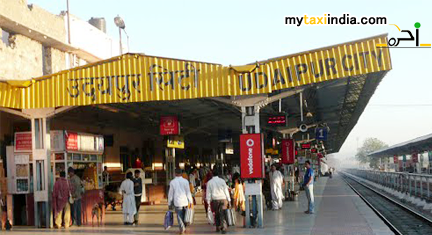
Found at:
(139, 78)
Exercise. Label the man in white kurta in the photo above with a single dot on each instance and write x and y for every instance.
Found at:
(129, 208)
(276, 180)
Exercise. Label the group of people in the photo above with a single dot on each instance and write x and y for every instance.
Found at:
(67, 196)
(131, 188)
(217, 198)
(276, 190)
(217, 195)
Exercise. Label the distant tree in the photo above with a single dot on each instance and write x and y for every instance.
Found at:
(370, 145)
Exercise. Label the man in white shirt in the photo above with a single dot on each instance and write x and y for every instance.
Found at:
(180, 197)
(276, 180)
(217, 193)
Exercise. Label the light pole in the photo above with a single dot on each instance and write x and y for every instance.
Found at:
(121, 25)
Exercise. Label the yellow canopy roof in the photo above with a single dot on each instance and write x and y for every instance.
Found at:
(140, 78)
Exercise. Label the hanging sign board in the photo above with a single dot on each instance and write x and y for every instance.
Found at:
(321, 133)
(278, 120)
(169, 125)
(305, 146)
(251, 156)
(23, 141)
(288, 151)
(176, 142)
(395, 159)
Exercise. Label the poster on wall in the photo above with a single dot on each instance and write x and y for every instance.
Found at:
(71, 139)
(57, 141)
(251, 156)
(87, 142)
(23, 141)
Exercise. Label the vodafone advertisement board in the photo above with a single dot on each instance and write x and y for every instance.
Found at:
(251, 156)
(288, 151)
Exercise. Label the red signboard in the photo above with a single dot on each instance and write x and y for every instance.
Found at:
(305, 146)
(71, 139)
(251, 156)
(279, 120)
(395, 159)
(314, 150)
(23, 142)
(414, 157)
(169, 125)
(288, 151)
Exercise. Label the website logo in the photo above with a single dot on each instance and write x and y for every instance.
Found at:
(394, 42)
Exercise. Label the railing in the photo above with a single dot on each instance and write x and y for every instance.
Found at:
(418, 185)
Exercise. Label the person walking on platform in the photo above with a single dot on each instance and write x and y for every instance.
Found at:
(61, 206)
(276, 180)
(218, 196)
(179, 197)
(77, 189)
(138, 194)
(129, 208)
(308, 185)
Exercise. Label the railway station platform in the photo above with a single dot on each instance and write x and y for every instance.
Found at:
(338, 210)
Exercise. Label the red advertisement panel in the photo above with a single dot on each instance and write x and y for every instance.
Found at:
(395, 159)
(23, 142)
(169, 125)
(288, 151)
(71, 139)
(251, 156)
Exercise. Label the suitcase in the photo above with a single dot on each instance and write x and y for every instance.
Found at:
(189, 216)
(230, 217)
(169, 220)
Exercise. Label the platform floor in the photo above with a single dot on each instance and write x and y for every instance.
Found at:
(339, 211)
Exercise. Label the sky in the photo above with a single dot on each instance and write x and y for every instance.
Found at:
(235, 32)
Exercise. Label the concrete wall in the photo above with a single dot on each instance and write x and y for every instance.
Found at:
(32, 17)
(22, 60)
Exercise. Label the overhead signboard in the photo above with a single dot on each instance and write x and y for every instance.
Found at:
(288, 151)
(314, 150)
(277, 120)
(251, 156)
(176, 142)
(305, 146)
(169, 125)
(321, 133)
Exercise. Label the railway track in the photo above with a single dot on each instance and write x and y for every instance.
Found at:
(400, 219)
